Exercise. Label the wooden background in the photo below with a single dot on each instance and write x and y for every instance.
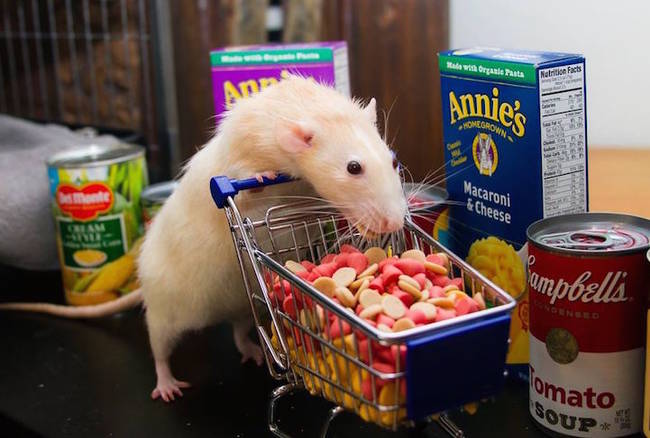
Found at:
(80, 64)
(392, 53)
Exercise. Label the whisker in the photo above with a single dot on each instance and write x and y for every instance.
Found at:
(426, 205)
(308, 198)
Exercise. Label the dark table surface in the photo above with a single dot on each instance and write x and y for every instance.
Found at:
(65, 378)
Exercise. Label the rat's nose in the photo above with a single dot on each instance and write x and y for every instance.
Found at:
(391, 224)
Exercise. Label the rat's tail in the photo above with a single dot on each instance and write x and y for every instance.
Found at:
(77, 312)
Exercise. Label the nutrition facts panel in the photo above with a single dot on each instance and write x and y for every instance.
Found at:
(564, 154)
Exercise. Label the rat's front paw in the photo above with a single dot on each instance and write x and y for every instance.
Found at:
(268, 174)
(259, 177)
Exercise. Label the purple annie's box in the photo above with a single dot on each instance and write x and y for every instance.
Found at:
(238, 72)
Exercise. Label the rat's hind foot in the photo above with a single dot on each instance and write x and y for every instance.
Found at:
(167, 389)
(268, 174)
(167, 386)
(247, 348)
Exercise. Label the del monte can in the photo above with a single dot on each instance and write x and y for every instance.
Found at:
(589, 284)
(96, 205)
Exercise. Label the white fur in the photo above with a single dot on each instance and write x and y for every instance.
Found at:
(189, 274)
(188, 270)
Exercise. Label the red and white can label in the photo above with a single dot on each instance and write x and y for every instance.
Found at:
(587, 326)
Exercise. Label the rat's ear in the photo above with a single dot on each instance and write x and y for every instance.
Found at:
(295, 137)
(371, 111)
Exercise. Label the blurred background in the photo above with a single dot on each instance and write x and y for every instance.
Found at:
(613, 36)
(140, 68)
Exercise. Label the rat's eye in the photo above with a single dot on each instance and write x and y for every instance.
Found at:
(354, 168)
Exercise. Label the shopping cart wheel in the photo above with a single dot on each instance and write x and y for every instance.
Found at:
(417, 428)
(332, 414)
(276, 395)
(289, 388)
(449, 426)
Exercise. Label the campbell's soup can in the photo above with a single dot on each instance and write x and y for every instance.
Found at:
(96, 206)
(589, 283)
(153, 198)
(429, 210)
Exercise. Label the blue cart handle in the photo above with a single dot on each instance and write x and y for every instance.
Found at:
(222, 187)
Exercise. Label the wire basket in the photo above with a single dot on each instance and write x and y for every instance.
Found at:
(309, 340)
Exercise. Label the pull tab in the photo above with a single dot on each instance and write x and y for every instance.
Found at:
(591, 240)
(583, 239)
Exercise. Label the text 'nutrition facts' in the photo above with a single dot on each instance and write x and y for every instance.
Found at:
(563, 135)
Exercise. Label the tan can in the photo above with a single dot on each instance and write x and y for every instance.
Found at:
(96, 205)
(153, 198)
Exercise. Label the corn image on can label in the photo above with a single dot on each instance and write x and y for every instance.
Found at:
(97, 212)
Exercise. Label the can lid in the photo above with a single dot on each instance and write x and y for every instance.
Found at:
(425, 198)
(589, 233)
(96, 155)
(158, 193)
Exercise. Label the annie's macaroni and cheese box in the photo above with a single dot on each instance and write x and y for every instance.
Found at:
(238, 72)
(516, 151)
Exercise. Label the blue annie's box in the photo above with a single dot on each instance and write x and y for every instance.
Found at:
(516, 151)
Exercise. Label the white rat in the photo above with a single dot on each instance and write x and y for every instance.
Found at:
(188, 270)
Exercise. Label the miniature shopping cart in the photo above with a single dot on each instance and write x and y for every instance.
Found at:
(433, 368)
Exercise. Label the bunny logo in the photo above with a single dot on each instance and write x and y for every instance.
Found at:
(484, 151)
